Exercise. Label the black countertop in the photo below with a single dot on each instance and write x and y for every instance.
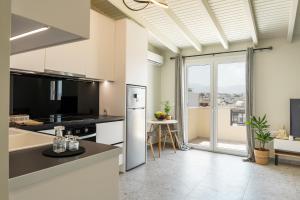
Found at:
(84, 120)
(31, 160)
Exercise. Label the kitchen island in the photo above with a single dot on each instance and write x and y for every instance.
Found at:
(91, 175)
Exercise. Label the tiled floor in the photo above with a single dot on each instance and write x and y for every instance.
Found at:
(200, 175)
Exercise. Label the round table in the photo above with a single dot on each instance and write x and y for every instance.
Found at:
(161, 123)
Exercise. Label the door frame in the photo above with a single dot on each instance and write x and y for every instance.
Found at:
(213, 61)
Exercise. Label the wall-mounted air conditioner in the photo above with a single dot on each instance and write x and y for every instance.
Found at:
(155, 58)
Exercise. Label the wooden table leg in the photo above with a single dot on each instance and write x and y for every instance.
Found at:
(171, 137)
(159, 140)
(176, 140)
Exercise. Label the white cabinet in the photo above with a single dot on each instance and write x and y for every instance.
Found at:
(93, 57)
(287, 145)
(110, 132)
(136, 54)
(100, 64)
(67, 58)
(131, 52)
(31, 61)
(68, 21)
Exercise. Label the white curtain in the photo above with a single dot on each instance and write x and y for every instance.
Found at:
(180, 99)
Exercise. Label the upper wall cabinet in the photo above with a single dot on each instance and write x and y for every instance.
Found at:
(93, 57)
(131, 52)
(69, 58)
(101, 55)
(30, 61)
(62, 21)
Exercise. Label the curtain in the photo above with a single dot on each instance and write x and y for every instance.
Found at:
(180, 100)
(249, 104)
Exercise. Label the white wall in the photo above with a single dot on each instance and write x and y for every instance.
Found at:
(153, 90)
(276, 80)
(168, 80)
(4, 88)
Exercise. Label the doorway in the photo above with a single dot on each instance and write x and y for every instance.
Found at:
(216, 104)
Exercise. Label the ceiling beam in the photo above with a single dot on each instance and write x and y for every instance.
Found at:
(292, 20)
(154, 31)
(252, 21)
(217, 26)
(183, 29)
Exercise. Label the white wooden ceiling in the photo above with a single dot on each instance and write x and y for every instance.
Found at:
(198, 23)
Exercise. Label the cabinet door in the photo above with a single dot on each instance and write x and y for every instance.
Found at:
(136, 54)
(31, 61)
(101, 44)
(70, 58)
(110, 132)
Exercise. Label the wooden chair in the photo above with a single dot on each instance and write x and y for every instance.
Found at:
(174, 133)
(149, 141)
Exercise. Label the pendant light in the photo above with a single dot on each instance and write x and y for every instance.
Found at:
(137, 5)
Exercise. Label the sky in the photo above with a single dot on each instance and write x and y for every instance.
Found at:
(231, 78)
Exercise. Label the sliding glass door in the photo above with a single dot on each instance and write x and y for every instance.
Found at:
(199, 112)
(230, 98)
(216, 99)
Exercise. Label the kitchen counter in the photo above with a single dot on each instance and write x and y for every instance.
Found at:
(87, 120)
(91, 175)
(30, 160)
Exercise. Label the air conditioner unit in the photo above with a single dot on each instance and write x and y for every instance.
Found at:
(155, 58)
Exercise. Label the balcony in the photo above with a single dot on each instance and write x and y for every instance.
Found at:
(231, 132)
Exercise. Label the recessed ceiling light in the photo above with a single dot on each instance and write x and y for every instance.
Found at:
(29, 33)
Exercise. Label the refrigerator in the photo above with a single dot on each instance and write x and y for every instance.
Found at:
(135, 126)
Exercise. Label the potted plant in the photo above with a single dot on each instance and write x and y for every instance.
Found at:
(167, 109)
(260, 127)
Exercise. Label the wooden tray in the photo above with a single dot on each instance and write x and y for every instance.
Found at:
(50, 153)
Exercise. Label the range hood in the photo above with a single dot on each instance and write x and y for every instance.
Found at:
(27, 35)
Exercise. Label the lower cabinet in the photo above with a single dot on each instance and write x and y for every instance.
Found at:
(112, 133)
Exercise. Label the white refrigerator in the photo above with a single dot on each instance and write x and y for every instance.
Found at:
(135, 126)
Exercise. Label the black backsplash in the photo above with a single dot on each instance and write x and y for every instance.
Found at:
(42, 96)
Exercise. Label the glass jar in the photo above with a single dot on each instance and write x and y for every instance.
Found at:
(59, 144)
(73, 144)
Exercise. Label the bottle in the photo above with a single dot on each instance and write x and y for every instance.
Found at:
(59, 142)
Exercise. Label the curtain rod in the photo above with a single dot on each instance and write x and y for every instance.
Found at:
(224, 52)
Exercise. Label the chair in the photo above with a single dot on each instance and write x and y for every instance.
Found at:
(174, 133)
(149, 141)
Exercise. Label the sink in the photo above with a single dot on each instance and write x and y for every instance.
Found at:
(20, 139)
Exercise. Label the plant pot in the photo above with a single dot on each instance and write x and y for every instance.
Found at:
(168, 117)
(262, 156)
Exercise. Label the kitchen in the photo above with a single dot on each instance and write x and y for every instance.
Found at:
(86, 88)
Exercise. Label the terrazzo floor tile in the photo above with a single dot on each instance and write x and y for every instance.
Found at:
(201, 175)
